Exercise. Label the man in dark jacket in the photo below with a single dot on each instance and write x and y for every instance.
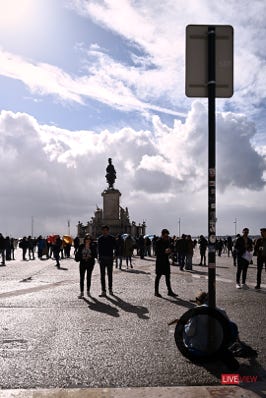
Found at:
(260, 252)
(106, 247)
(243, 246)
(203, 243)
(163, 249)
(56, 250)
(181, 246)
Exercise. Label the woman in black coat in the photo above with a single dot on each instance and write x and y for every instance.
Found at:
(86, 255)
(163, 249)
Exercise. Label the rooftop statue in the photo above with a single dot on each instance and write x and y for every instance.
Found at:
(110, 174)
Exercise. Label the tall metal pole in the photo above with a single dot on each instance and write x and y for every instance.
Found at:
(179, 222)
(235, 222)
(32, 225)
(211, 168)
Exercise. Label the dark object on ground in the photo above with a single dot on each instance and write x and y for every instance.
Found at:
(222, 352)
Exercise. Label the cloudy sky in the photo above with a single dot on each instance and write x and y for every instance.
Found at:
(85, 80)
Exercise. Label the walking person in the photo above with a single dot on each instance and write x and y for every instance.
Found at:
(3, 249)
(181, 246)
(13, 244)
(189, 253)
(56, 250)
(229, 246)
(163, 250)
(106, 247)
(31, 248)
(119, 251)
(76, 244)
(128, 250)
(243, 248)
(8, 248)
(23, 244)
(260, 252)
(86, 255)
(141, 246)
(203, 243)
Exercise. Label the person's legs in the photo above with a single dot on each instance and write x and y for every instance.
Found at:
(189, 262)
(57, 257)
(239, 270)
(102, 271)
(182, 261)
(82, 270)
(204, 257)
(201, 257)
(259, 271)
(110, 275)
(89, 273)
(244, 272)
(157, 281)
(168, 283)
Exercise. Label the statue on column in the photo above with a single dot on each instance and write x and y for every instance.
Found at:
(110, 174)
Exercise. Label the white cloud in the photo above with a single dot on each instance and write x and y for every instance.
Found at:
(56, 175)
(108, 88)
(155, 39)
(158, 29)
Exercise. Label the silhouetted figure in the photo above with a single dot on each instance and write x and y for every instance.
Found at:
(110, 174)
(23, 244)
(203, 243)
(2, 249)
(260, 252)
(163, 250)
(106, 247)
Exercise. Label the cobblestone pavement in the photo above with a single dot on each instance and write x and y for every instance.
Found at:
(50, 339)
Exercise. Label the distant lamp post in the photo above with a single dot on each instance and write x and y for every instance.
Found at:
(235, 222)
(179, 226)
(32, 225)
(68, 226)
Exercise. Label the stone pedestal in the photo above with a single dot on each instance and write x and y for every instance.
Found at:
(111, 205)
(112, 215)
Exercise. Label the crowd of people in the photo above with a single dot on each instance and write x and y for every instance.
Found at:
(180, 252)
(52, 246)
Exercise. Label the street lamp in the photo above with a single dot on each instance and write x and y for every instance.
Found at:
(179, 223)
(235, 222)
(32, 225)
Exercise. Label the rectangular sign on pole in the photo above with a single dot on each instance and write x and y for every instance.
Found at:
(197, 61)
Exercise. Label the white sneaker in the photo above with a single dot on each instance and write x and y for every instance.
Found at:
(238, 286)
(245, 286)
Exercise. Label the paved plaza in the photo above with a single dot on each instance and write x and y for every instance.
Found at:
(51, 339)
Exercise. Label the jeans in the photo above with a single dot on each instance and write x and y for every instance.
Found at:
(83, 267)
(260, 263)
(242, 267)
(106, 263)
(167, 280)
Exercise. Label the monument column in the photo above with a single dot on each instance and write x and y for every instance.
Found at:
(111, 205)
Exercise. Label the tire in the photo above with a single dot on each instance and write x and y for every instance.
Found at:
(198, 355)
